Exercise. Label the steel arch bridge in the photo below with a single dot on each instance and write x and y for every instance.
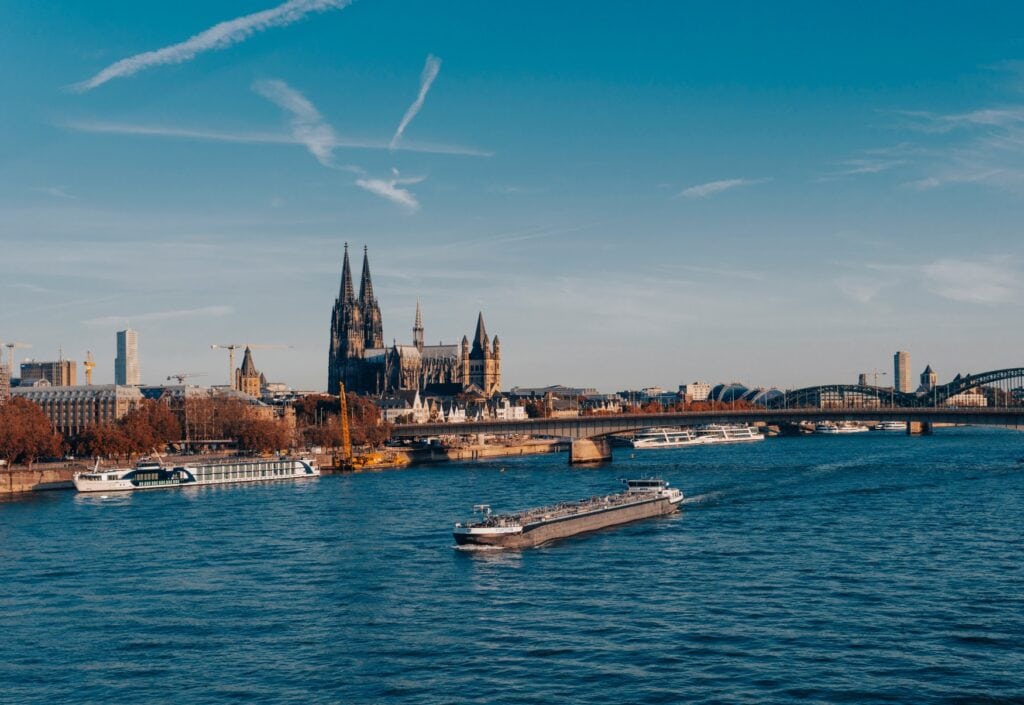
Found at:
(1006, 384)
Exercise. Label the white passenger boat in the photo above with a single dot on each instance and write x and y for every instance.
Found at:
(829, 428)
(728, 433)
(149, 474)
(666, 438)
(891, 426)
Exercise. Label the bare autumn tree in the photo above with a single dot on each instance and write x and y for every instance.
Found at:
(149, 426)
(263, 435)
(103, 440)
(26, 433)
(365, 424)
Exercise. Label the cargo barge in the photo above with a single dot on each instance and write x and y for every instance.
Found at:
(641, 499)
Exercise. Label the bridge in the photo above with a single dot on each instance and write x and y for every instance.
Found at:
(999, 387)
(589, 433)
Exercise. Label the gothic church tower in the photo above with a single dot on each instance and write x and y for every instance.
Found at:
(348, 339)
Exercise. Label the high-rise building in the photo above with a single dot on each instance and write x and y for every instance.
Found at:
(901, 371)
(126, 364)
(60, 373)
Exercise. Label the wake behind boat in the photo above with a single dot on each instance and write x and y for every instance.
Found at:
(149, 474)
(641, 499)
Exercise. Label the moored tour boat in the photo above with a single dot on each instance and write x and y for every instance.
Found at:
(666, 438)
(149, 474)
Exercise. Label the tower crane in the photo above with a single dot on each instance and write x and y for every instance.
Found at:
(10, 356)
(231, 347)
(182, 376)
(89, 364)
(875, 374)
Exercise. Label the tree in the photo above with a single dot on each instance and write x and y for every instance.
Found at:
(103, 440)
(263, 435)
(149, 426)
(365, 424)
(26, 433)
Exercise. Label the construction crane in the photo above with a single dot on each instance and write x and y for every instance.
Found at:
(874, 374)
(346, 439)
(89, 364)
(10, 356)
(231, 347)
(182, 376)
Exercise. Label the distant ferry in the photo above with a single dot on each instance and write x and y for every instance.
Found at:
(703, 435)
(729, 433)
(666, 438)
(151, 474)
(641, 499)
(829, 428)
(890, 426)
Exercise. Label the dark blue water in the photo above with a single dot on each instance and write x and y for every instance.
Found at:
(872, 568)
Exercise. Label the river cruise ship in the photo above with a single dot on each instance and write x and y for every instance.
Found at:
(829, 428)
(729, 433)
(890, 426)
(666, 438)
(641, 499)
(151, 474)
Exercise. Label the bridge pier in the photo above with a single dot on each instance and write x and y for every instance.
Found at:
(919, 428)
(590, 450)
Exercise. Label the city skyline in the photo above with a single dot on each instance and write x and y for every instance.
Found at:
(778, 199)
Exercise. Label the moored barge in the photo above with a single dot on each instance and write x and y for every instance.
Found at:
(641, 499)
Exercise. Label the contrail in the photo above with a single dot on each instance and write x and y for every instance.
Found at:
(308, 126)
(219, 36)
(430, 71)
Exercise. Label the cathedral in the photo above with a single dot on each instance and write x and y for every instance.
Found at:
(359, 358)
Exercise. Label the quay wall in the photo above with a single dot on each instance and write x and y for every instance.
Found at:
(15, 480)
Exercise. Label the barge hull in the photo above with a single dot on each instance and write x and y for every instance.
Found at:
(541, 533)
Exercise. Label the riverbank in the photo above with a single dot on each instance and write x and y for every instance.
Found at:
(398, 458)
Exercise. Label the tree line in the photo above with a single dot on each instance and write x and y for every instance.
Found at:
(26, 434)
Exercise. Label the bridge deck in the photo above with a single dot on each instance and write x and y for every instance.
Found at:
(594, 426)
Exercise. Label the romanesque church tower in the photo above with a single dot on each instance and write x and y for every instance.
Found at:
(481, 365)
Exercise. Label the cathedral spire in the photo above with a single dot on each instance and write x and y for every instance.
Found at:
(366, 283)
(417, 328)
(347, 294)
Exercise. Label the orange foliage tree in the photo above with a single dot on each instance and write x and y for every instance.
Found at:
(26, 433)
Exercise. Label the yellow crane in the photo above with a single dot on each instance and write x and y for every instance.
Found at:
(89, 364)
(231, 347)
(346, 440)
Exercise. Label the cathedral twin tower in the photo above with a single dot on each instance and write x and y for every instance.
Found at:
(359, 358)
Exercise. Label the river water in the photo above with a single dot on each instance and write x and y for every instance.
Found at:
(872, 568)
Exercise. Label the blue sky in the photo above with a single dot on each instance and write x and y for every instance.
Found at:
(780, 194)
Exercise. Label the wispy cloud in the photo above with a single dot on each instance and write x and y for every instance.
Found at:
(204, 312)
(861, 166)
(219, 36)
(390, 189)
(247, 137)
(713, 187)
(57, 192)
(861, 289)
(987, 282)
(926, 121)
(430, 71)
(993, 280)
(308, 125)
